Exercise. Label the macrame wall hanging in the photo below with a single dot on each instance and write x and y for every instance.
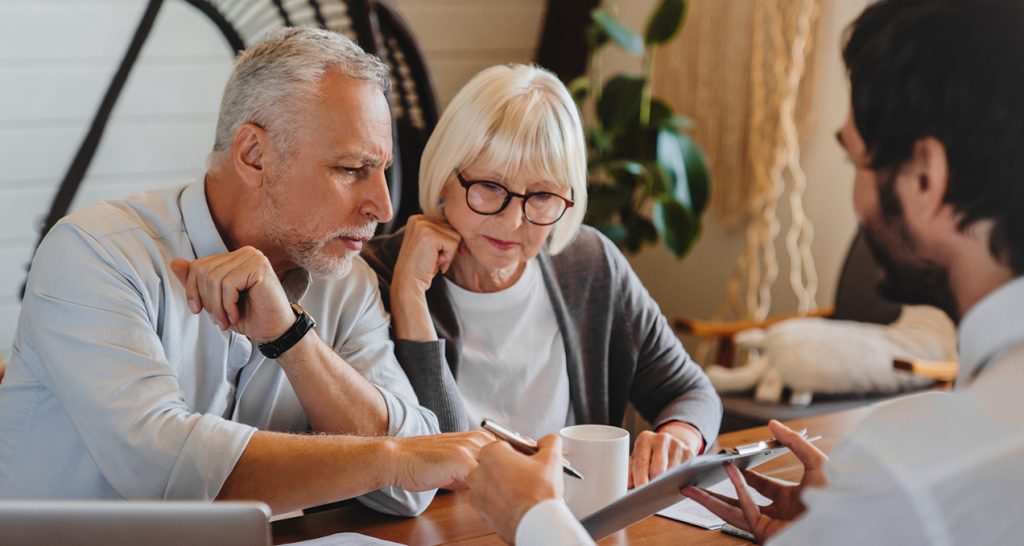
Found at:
(741, 69)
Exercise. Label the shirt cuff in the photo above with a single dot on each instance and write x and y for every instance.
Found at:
(207, 458)
(405, 419)
(551, 522)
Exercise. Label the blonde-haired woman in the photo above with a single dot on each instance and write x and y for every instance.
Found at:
(505, 306)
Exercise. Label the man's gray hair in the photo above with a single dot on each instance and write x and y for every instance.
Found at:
(274, 79)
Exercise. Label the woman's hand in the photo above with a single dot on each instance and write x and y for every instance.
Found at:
(428, 248)
(654, 453)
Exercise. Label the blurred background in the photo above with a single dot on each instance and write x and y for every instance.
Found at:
(58, 58)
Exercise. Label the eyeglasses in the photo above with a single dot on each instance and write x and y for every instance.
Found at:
(489, 198)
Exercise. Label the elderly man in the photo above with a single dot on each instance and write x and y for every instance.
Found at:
(165, 336)
(935, 132)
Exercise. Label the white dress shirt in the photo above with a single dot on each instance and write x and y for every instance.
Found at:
(930, 469)
(116, 390)
(513, 358)
(936, 468)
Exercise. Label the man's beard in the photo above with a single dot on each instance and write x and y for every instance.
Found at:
(910, 276)
(312, 254)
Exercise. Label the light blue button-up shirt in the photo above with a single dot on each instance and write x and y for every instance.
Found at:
(116, 390)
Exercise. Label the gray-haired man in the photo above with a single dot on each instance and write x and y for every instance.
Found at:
(158, 344)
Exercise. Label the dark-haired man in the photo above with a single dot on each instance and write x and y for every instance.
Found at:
(936, 129)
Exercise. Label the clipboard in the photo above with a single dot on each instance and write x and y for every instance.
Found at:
(700, 471)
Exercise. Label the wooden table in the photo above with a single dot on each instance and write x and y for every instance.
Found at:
(451, 520)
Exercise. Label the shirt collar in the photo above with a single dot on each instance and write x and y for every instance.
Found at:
(990, 327)
(199, 226)
(206, 240)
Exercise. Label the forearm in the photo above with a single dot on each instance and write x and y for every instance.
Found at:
(410, 315)
(334, 396)
(290, 472)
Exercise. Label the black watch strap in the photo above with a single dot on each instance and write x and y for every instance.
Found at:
(303, 324)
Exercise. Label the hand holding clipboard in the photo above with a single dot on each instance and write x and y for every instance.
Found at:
(701, 471)
(743, 512)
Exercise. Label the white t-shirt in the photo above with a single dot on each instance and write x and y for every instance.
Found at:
(513, 359)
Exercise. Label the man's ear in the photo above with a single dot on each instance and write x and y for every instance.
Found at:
(248, 149)
(928, 169)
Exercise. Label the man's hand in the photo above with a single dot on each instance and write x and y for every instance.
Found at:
(239, 290)
(506, 483)
(428, 248)
(654, 453)
(421, 463)
(786, 505)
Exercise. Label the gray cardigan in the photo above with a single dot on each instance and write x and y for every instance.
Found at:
(618, 346)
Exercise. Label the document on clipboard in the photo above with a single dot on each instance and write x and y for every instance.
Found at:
(701, 471)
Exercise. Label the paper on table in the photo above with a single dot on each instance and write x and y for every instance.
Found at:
(346, 539)
(688, 511)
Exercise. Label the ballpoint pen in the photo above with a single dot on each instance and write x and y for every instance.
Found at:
(523, 444)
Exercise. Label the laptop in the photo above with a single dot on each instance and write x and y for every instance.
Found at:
(148, 523)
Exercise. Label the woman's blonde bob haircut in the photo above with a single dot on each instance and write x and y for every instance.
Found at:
(518, 120)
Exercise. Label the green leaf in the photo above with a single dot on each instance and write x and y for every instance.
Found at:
(640, 231)
(634, 168)
(686, 168)
(625, 38)
(596, 38)
(676, 225)
(661, 113)
(615, 232)
(619, 106)
(598, 141)
(664, 23)
(604, 201)
(579, 89)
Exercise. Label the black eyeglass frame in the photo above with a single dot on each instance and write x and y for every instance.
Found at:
(509, 194)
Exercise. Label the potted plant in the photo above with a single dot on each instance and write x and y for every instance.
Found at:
(648, 180)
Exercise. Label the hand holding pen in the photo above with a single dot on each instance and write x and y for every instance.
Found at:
(523, 444)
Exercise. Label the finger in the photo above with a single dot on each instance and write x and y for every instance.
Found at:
(212, 291)
(733, 515)
(234, 284)
(641, 462)
(769, 487)
(230, 294)
(751, 511)
(659, 455)
(195, 302)
(677, 453)
(809, 455)
(724, 498)
(550, 449)
(180, 269)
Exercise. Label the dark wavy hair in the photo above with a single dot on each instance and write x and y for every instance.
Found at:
(952, 70)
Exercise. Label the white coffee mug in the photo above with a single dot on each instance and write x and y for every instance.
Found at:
(601, 454)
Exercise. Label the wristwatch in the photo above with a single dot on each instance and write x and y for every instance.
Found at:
(303, 324)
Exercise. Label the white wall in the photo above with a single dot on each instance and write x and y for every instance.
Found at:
(56, 59)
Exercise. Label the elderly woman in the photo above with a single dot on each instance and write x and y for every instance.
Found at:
(504, 306)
